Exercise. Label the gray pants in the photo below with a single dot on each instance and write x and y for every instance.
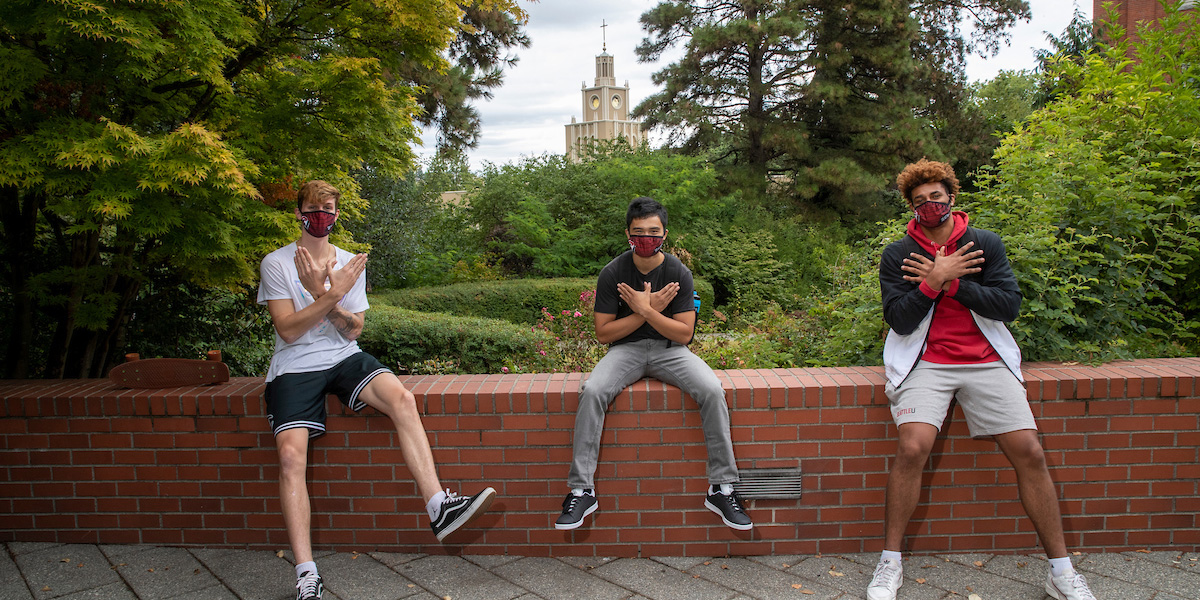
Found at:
(621, 367)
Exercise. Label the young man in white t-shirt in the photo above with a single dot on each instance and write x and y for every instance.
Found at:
(316, 293)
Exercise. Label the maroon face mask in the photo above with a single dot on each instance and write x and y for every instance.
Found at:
(646, 246)
(318, 223)
(932, 214)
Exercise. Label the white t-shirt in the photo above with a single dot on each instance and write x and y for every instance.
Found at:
(323, 346)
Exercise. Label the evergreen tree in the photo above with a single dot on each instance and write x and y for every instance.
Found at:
(829, 97)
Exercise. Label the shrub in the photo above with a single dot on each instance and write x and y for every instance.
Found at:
(420, 342)
(514, 300)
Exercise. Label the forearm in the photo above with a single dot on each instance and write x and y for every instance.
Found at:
(295, 324)
(676, 331)
(349, 324)
(618, 328)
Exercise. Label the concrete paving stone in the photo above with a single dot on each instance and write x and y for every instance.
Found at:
(392, 559)
(1169, 558)
(489, 562)
(19, 548)
(658, 581)
(163, 572)
(587, 562)
(1144, 573)
(1018, 568)
(59, 570)
(216, 592)
(12, 586)
(679, 563)
(963, 580)
(553, 579)
(458, 578)
(760, 581)
(856, 576)
(259, 574)
(779, 562)
(112, 591)
(361, 577)
(115, 551)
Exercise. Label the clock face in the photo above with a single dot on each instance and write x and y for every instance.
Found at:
(616, 102)
(595, 102)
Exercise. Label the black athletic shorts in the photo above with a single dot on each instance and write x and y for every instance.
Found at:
(298, 399)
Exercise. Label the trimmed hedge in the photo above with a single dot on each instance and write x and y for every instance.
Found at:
(514, 300)
(432, 342)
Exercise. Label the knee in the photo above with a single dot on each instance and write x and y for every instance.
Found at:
(400, 403)
(594, 397)
(293, 460)
(1028, 456)
(911, 453)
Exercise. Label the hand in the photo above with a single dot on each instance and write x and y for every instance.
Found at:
(660, 300)
(311, 276)
(640, 302)
(342, 280)
(918, 265)
(947, 268)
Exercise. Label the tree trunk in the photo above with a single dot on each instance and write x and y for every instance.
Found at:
(20, 227)
(84, 251)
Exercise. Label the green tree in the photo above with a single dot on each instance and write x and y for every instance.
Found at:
(824, 97)
(138, 135)
(477, 56)
(1095, 197)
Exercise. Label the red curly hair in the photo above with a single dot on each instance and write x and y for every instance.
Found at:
(923, 172)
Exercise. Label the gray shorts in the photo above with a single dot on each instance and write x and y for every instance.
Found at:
(992, 399)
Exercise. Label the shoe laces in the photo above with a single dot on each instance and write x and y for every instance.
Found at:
(450, 497)
(570, 502)
(1079, 584)
(308, 585)
(885, 572)
(735, 502)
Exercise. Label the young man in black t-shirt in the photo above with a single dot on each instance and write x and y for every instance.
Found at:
(645, 312)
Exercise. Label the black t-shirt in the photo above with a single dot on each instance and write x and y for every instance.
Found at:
(622, 269)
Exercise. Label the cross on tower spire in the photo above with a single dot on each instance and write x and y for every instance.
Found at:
(603, 36)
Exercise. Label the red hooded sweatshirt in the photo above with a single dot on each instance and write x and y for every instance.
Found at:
(954, 338)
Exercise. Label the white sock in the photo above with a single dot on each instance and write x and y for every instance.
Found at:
(434, 507)
(305, 567)
(581, 491)
(1058, 566)
(724, 488)
(889, 555)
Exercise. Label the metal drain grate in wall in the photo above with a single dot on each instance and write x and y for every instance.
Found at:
(769, 483)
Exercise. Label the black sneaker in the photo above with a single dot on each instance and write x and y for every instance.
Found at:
(309, 586)
(575, 508)
(458, 510)
(729, 506)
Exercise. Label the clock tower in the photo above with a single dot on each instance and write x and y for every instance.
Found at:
(605, 111)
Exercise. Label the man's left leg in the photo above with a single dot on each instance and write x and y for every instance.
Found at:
(1040, 500)
(448, 511)
(676, 365)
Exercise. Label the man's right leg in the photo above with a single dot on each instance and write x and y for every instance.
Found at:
(904, 480)
(915, 440)
(292, 445)
(620, 367)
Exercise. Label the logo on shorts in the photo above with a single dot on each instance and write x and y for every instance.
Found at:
(905, 411)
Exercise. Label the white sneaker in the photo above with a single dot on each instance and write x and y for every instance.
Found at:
(1068, 586)
(889, 576)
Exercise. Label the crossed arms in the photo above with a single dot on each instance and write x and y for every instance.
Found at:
(291, 324)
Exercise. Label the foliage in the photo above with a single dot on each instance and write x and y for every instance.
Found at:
(742, 266)
(422, 342)
(394, 224)
(183, 320)
(573, 347)
(1095, 199)
(476, 58)
(818, 95)
(1108, 255)
(164, 135)
(516, 300)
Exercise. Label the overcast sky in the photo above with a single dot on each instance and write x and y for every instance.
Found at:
(526, 117)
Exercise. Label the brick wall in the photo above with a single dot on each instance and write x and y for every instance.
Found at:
(82, 462)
